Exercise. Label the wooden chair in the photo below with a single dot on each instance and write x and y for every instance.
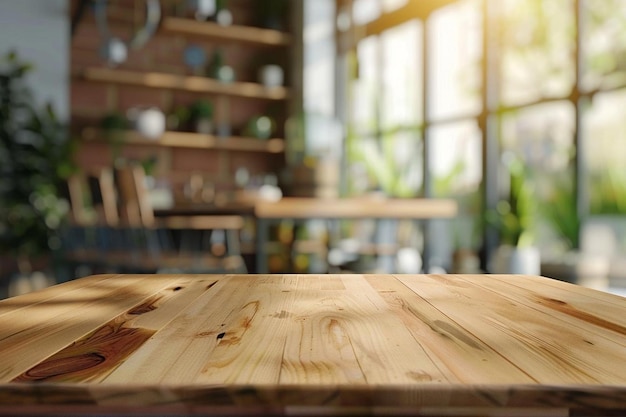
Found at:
(192, 244)
(93, 220)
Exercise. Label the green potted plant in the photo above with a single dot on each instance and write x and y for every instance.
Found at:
(570, 263)
(515, 219)
(223, 16)
(218, 68)
(466, 225)
(272, 13)
(36, 156)
(260, 127)
(178, 119)
(114, 127)
(201, 116)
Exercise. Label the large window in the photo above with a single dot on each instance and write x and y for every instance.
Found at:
(443, 93)
(385, 140)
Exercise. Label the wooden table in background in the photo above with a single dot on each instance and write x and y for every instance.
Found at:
(303, 208)
(296, 208)
(312, 344)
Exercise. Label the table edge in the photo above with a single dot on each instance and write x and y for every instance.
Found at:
(574, 397)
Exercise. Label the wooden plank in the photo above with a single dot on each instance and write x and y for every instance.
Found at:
(16, 305)
(194, 84)
(92, 357)
(318, 350)
(355, 208)
(33, 333)
(217, 338)
(605, 323)
(584, 295)
(207, 222)
(464, 357)
(316, 344)
(421, 399)
(359, 314)
(250, 350)
(547, 350)
(235, 33)
(194, 141)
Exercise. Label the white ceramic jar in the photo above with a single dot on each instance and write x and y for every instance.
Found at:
(271, 76)
(149, 122)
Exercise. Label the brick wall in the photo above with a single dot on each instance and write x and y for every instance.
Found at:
(91, 101)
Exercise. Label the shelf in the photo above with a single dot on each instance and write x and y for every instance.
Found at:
(185, 83)
(210, 30)
(194, 140)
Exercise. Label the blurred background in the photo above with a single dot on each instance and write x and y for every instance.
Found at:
(512, 109)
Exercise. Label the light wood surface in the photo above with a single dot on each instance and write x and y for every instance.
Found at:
(194, 141)
(194, 84)
(355, 208)
(234, 33)
(370, 207)
(314, 344)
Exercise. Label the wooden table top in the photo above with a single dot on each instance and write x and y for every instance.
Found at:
(302, 343)
(355, 208)
(327, 208)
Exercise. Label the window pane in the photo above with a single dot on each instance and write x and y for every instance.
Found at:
(538, 40)
(604, 43)
(542, 135)
(365, 87)
(456, 163)
(365, 11)
(542, 138)
(404, 161)
(455, 53)
(456, 158)
(402, 75)
(392, 165)
(605, 153)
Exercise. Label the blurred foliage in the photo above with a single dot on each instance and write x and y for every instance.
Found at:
(538, 39)
(36, 155)
(385, 172)
(608, 192)
(515, 217)
(201, 109)
(466, 226)
(114, 127)
(560, 210)
(605, 36)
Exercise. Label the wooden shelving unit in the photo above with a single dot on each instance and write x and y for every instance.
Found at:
(234, 33)
(158, 76)
(195, 141)
(184, 83)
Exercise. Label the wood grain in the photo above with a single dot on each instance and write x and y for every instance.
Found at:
(194, 84)
(313, 344)
(174, 139)
(462, 355)
(209, 30)
(546, 349)
(355, 208)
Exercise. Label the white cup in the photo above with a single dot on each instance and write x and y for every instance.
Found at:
(149, 122)
(271, 76)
